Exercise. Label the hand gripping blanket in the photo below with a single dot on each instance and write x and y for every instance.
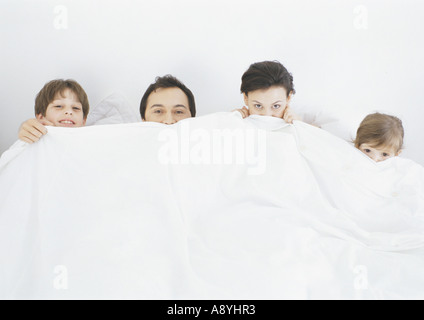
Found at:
(214, 207)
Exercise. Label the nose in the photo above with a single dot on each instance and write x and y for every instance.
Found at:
(68, 111)
(269, 112)
(169, 119)
(377, 158)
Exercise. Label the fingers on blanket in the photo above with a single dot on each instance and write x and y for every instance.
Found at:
(244, 111)
(45, 122)
(289, 116)
(31, 131)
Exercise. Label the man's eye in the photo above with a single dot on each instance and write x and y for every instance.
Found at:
(367, 150)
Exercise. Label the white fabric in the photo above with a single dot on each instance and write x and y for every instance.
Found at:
(341, 122)
(113, 109)
(97, 212)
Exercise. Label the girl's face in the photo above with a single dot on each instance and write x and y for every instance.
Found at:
(378, 154)
(267, 102)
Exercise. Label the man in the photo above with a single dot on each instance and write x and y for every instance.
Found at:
(167, 101)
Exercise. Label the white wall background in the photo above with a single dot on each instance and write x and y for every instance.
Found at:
(348, 56)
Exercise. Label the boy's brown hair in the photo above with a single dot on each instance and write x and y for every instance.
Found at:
(50, 89)
(380, 129)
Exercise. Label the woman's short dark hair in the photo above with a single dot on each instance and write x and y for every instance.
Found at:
(167, 81)
(266, 74)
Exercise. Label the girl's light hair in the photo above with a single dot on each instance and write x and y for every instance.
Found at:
(380, 129)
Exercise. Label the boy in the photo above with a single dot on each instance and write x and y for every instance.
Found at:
(60, 103)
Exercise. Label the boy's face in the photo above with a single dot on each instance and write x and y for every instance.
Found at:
(167, 105)
(267, 102)
(378, 154)
(65, 110)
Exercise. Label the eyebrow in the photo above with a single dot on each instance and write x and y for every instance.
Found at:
(162, 106)
(58, 102)
(272, 103)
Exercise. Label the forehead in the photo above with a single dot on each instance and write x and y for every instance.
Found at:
(168, 97)
(66, 94)
(271, 94)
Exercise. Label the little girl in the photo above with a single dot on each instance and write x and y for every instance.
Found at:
(380, 136)
(267, 88)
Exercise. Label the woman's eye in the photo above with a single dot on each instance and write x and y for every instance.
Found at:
(367, 150)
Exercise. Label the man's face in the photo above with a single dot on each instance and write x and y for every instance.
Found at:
(167, 105)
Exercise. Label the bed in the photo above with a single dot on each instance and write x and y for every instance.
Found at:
(213, 207)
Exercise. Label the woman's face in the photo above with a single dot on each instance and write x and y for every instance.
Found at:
(267, 102)
(167, 105)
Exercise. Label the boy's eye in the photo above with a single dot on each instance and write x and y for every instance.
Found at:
(58, 106)
(367, 150)
(385, 154)
(76, 108)
(179, 112)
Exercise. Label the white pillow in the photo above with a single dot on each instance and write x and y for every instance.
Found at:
(113, 109)
(338, 121)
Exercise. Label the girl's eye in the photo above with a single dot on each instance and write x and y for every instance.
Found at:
(258, 106)
(276, 106)
(58, 106)
(385, 154)
(367, 150)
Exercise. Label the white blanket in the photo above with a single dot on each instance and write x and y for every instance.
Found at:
(214, 207)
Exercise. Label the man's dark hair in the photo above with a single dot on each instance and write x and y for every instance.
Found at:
(266, 74)
(167, 81)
